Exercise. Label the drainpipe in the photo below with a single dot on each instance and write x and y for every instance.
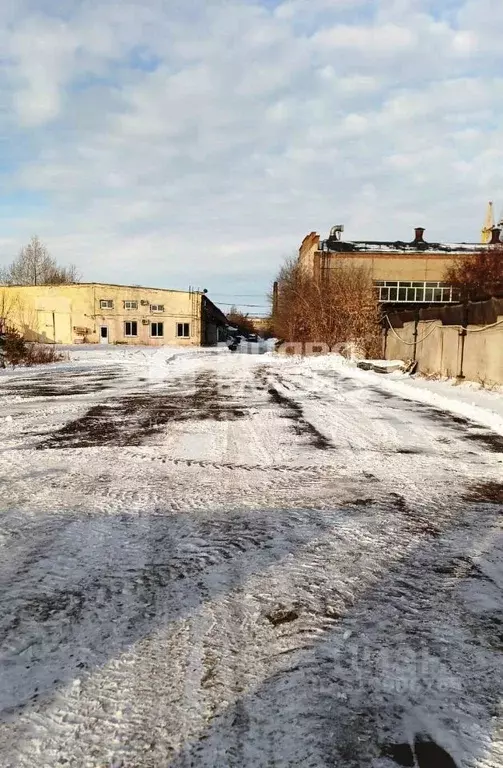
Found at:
(463, 333)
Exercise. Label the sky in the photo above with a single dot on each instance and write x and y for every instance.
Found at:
(196, 142)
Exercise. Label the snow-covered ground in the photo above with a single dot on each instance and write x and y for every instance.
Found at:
(218, 559)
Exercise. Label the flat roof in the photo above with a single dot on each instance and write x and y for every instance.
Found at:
(111, 285)
(397, 246)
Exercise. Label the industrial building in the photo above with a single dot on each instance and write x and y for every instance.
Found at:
(403, 273)
(111, 314)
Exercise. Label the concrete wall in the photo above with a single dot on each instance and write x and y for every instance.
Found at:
(439, 350)
(66, 314)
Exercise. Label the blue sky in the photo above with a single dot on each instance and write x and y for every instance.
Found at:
(171, 143)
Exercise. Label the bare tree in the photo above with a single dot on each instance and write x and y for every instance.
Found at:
(6, 307)
(478, 275)
(293, 308)
(35, 266)
(337, 306)
(241, 321)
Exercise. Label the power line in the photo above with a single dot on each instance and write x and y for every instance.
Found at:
(227, 304)
(238, 295)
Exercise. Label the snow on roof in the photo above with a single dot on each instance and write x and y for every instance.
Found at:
(360, 246)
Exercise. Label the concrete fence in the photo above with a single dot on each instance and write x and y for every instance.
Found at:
(462, 341)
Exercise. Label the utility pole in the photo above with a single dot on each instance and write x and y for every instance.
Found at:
(275, 293)
(462, 334)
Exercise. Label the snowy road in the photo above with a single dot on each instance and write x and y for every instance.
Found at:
(221, 560)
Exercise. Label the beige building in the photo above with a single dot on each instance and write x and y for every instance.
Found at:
(261, 324)
(111, 314)
(403, 273)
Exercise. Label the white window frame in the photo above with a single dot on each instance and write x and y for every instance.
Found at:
(182, 335)
(130, 304)
(157, 307)
(106, 303)
(416, 292)
(156, 335)
(130, 335)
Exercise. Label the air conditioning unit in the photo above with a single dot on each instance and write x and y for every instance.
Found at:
(145, 322)
(144, 303)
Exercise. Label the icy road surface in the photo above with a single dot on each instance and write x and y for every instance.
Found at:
(225, 560)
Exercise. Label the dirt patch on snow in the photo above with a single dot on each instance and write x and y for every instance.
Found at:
(129, 420)
(428, 754)
(470, 429)
(489, 493)
(282, 616)
(302, 426)
(58, 384)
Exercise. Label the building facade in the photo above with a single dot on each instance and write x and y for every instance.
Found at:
(111, 314)
(403, 273)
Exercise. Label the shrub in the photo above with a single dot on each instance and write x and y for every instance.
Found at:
(40, 354)
(16, 351)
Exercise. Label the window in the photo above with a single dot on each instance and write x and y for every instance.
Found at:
(157, 307)
(157, 329)
(130, 305)
(106, 304)
(131, 328)
(414, 292)
(183, 330)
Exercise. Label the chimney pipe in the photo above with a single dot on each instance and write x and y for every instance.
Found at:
(419, 232)
(495, 236)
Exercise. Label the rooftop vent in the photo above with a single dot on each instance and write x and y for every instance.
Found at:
(336, 232)
(495, 236)
(419, 235)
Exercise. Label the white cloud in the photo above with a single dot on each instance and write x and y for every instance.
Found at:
(166, 146)
(386, 39)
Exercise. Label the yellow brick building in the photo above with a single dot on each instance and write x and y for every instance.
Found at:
(108, 314)
(408, 273)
